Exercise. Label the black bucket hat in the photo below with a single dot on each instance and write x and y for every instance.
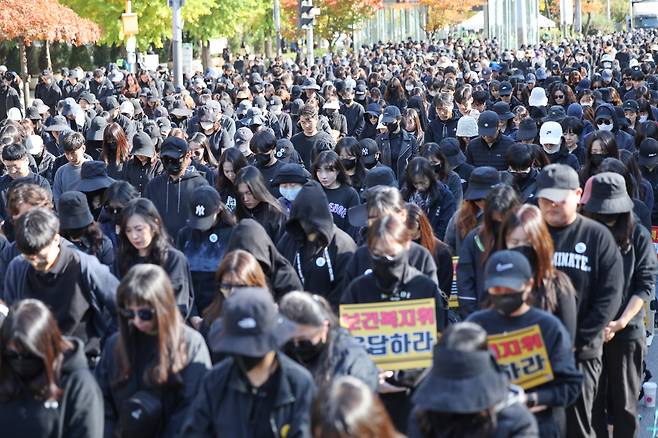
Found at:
(480, 183)
(609, 195)
(474, 375)
(503, 110)
(96, 129)
(450, 148)
(527, 130)
(250, 325)
(73, 210)
(93, 176)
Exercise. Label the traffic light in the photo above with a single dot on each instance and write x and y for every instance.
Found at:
(306, 16)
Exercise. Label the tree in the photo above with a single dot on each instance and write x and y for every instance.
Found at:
(26, 22)
(589, 7)
(337, 17)
(443, 13)
(154, 17)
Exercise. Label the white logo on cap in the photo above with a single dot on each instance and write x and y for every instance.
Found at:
(200, 210)
(581, 247)
(505, 267)
(652, 155)
(364, 151)
(486, 125)
(247, 323)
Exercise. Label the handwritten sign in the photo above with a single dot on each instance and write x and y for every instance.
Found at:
(523, 355)
(654, 238)
(397, 335)
(453, 303)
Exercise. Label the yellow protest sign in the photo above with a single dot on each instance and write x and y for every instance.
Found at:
(453, 303)
(522, 353)
(398, 335)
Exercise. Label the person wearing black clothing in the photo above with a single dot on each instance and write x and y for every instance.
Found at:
(155, 363)
(263, 145)
(43, 159)
(456, 160)
(490, 148)
(397, 146)
(509, 281)
(317, 249)
(100, 86)
(171, 191)
(445, 123)
(8, 97)
(257, 391)
(467, 394)
(322, 346)
(46, 387)
(371, 119)
(587, 252)
(250, 236)
(310, 142)
(144, 165)
(520, 158)
(78, 289)
(648, 163)
(48, 91)
(353, 113)
(550, 138)
(623, 350)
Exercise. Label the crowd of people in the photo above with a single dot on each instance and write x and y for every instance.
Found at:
(173, 259)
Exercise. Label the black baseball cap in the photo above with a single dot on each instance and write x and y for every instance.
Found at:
(505, 88)
(488, 123)
(291, 173)
(174, 147)
(391, 114)
(648, 156)
(204, 205)
(507, 268)
(369, 149)
(555, 181)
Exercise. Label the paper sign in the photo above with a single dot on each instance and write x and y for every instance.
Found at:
(654, 237)
(523, 355)
(397, 335)
(453, 303)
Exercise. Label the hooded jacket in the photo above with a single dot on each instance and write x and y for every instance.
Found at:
(408, 149)
(144, 354)
(321, 263)
(250, 236)
(171, 197)
(79, 412)
(223, 403)
(624, 140)
(440, 129)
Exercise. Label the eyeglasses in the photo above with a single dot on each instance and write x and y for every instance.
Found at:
(627, 79)
(378, 258)
(559, 96)
(144, 314)
(603, 122)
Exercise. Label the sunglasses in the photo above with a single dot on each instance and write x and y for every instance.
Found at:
(603, 122)
(559, 96)
(143, 314)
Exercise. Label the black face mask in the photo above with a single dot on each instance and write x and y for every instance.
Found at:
(508, 303)
(262, 160)
(438, 167)
(26, 367)
(247, 363)
(521, 177)
(597, 159)
(529, 253)
(388, 272)
(348, 163)
(305, 352)
(172, 166)
(392, 127)
(370, 165)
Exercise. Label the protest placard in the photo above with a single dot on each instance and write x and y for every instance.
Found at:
(522, 354)
(397, 335)
(453, 303)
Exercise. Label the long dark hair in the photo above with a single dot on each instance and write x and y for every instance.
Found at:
(329, 160)
(114, 134)
(128, 254)
(353, 148)
(237, 159)
(421, 166)
(466, 337)
(91, 234)
(632, 174)
(201, 139)
(500, 200)
(416, 217)
(149, 285)
(33, 328)
(252, 178)
(609, 146)
(432, 150)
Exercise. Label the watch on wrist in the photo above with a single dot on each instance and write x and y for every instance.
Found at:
(532, 399)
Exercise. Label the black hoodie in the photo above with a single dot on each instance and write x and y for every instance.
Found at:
(171, 197)
(78, 413)
(250, 236)
(320, 264)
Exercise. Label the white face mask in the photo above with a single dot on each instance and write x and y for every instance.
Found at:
(605, 127)
(643, 118)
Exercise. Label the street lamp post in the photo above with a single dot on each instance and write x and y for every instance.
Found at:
(177, 40)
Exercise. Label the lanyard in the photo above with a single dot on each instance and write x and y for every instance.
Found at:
(330, 268)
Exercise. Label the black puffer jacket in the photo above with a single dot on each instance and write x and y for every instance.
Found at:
(250, 236)
(320, 264)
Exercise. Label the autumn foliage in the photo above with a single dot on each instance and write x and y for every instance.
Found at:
(443, 13)
(44, 20)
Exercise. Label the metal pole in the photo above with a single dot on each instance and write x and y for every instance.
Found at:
(177, 26)
(608, 10)
(630, 3)
(578, 24)
(277, 25)
(309, 46)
